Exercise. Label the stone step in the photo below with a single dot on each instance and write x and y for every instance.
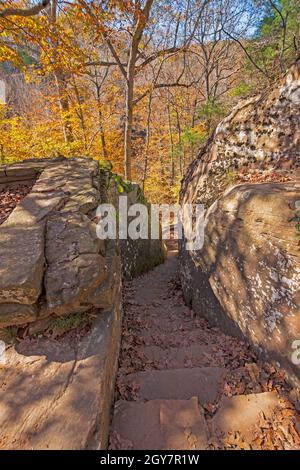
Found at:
(178, 384)
(195, 355)
(159, 425)
(173, 339)
(161, 323)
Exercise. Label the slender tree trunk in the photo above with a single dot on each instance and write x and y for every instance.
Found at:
(80, 113)
(102, 134)
(61, 86)
(2, 155)
(148, 141)
(130, 76)
(129, 116)
(181, 152)
(128, 72)
(209, 101)
(193, 122)
(172, 148)
(100, 115)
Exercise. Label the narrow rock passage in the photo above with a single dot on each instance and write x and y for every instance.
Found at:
(183, 384)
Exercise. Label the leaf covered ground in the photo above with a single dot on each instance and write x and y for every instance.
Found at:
(10, 197)
(156, 319)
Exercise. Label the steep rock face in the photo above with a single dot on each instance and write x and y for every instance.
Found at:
(246, 277)
(258, 141)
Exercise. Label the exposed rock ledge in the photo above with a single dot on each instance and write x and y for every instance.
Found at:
(51, 261)
(57, 393)
(247, 276)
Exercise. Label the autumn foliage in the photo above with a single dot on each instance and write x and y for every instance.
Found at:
(139, 83)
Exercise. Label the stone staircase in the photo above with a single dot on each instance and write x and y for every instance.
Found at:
(168, 412)
(172, 373)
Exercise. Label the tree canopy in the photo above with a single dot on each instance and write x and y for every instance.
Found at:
(141, 83)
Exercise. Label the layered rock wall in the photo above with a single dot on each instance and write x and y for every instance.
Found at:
(54, 268)
(140, 255)
(51, 260)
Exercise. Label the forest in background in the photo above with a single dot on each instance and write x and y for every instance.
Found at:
(138, 83)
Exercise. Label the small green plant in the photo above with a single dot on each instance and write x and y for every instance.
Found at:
(296, 219)
(241, 90)
(231, 175)
(120, 183)
(11, 333)
(211, 109)
(61, 325)
(114, 178)
(193, 136)
(191, 139)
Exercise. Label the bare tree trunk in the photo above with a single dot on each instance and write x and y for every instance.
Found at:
(130, 75)
(172, 148)
(102, 135)
(61, 86)
(181, 156)
(80, 113)
(193, 122)
(2, 155)
(148, 140)
(283, 21)
(129, 121)
(98, 86)
(64, 107)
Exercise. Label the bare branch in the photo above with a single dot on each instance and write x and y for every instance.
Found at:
(100, 63)
(158, 54)
(247, 53)
(273, 5)
(164, 85)
(114, 54)
(35, 10)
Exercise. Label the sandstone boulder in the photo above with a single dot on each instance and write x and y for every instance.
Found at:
(246, 277)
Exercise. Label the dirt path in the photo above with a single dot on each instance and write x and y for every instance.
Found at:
(185, 385)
